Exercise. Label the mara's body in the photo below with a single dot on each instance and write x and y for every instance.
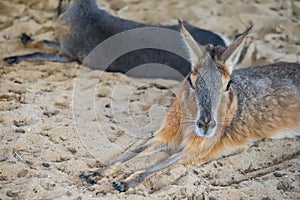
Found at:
(271, 94)
(85, 18)
(264, 102)
(218, 109)
(82, 25)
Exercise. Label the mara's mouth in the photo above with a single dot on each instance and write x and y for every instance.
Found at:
(202, 132)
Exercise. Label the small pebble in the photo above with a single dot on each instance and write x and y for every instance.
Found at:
(2, 158)
(72, 150)
(283, 185)
(16, 123)
(30, 162)
(84, 175)
(47, 113)
(292, 170)
(22, 173)
(69, 193)
(18, 82)
(220, 164)
(45, 164)
(10, 193)
(64, 104)
(276, 174)
(20, 130)
(196, 183)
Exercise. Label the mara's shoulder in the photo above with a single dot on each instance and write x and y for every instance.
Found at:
(279, 68)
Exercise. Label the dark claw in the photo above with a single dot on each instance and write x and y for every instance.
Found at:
(84, 175)
(25, 38)
(12, 60)
(96, 173)
(121, 187)
(91, 180)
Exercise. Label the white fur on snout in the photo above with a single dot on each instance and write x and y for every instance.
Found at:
(210, 133)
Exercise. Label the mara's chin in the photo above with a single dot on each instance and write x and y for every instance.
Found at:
(208, 134)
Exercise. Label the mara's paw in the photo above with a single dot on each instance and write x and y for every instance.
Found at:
(12, 60)
(90, 177)
(25, 39)
(120, 186)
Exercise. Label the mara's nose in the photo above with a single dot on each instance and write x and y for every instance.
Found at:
(206, 123)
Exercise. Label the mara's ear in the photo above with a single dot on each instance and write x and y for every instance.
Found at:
(232, 54)
(195, 51)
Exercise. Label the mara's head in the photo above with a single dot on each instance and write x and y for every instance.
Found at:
(81, 5)
(210, 82)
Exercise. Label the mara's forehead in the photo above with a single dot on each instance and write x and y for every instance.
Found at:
(210, 78)
(215, 52)
(211, 66)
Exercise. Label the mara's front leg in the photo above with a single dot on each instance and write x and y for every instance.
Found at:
(165, 140)
(139, 176)
(167, 136)
(93, 176)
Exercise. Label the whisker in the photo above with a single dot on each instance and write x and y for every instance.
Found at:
(188, 129)
(185, 116)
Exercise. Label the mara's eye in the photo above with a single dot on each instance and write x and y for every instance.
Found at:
(228, 85)
(190, 81)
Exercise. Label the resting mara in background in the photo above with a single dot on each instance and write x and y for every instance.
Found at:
(82, 25)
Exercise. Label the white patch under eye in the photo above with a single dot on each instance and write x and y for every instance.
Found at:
(228, 86)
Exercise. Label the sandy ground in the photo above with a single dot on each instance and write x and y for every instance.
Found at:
(51, 130)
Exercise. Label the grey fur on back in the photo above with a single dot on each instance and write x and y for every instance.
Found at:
(91, 25)
(265, 92)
